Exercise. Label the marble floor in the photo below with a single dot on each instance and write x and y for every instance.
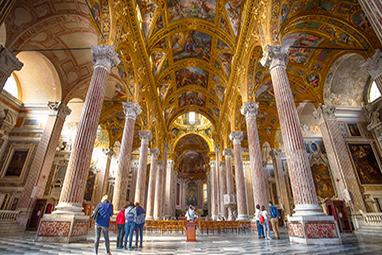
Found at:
(221, 244)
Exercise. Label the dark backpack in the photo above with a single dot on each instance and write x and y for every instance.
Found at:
(130, 216)
(95, 214)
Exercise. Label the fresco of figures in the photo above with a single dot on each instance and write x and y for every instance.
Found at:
(191, 44)
(265, 91)
(157, 58)
(191, 98)
(233, 11)
(191, 75)
(226, 61)
(148, 10)
(180, 9)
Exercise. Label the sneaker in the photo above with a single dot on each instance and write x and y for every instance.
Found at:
(130, 248)
(140, 246)
(268, 238)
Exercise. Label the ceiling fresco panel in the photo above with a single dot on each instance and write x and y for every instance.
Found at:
(233, 11)
(191, 44)
(191, 75)
(180, 9)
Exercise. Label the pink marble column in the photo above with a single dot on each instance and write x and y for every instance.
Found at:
(214, 212)
(158, 191)
(134, 173)
(140, 188)
(132, 110)
(154, 153)
(183, 203)
(8, 63)
(307, 211)
(373, 66)
(217, 180)
(249, 110)
(42, 162)
(104, 176)
(200, 201)
(169, 186)
(339, 159)
(373, 10)
(166, 148)
(209, 192)
(236, 137)
(230, 186)
(223, 189)
(248, 188)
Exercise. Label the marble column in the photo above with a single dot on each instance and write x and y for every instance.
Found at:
(140, 188)
(134, 173)
(373, 10)
(308, 217)
(248, 188)
(183, 203)
(169, 186)
(249, 110)
(200, 190)
(373, 66)
(132, 110)
(223, 189)
(173, 192)
(103, 179)
(214, 212)
(230, 186)
(42, 161)
(218, 196)
(280, 181)
(339, 159)
(209, 192)
(154, 153)
(6, 125)
(158, 191)
(8, 64)
(72, 194)
(166, 148)
(236, 138)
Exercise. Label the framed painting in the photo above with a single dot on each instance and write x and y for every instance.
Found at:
(323, 181)
(353, 129)
(365, 163)
(16, 162)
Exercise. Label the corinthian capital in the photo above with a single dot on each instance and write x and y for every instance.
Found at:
(105, 57)
(166, 148)
(132, 110)
(275, 56)
(236, 137)
(59, 109)
(249, 110)
(275, 153)
(154, 153)
(324, 112)
(8, 61)
(145, 136)
(217, 147)
(373, 65)
(108, 152)
(213, 164)
(227, 153)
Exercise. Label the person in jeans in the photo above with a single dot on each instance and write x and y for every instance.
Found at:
(274, 219)
(102, 223)
(264, 213)
(141, 215)
(121, 227)
(260, 230)
(131, 216)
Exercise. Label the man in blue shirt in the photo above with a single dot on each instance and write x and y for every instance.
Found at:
(102, 223)
(274, 219)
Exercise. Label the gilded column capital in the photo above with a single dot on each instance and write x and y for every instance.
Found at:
(373, 65)
(275, 153)
(145, 136)
(132, 110)
(154, 153)
(236, 137)
(324, 112)
(8, 61)
(275, 56)
(105, 57)
(166, 148)
(59, 109)
(213, 164)
(217, 147)
(227, 153)
(108, 152)
(250, 110)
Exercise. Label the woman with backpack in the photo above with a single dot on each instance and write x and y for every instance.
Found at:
(130, 215)
(260, 230)
(105, 211)
(264, 217)
(141, 215)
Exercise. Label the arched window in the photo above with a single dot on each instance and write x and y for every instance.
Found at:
(11, 87)
(374, 92)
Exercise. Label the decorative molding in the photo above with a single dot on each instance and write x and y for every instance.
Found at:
(236, 137)
(131, 110)
(324, 112)
(250, 110)
(275, 56)
(105, 57)
(59, 109)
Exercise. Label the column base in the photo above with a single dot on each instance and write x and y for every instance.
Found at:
(69, 209)
(242, 217)
(148, 217)
(61, 228)
(313, 230)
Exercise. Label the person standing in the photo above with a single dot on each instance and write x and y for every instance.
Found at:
(190, 214)
(274, 219)
(264, 213)
(102, 223)
(260, 230)
(141, 220)
(121, 227)
(130, 215)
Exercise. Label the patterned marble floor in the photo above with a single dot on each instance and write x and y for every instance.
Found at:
(223, 244)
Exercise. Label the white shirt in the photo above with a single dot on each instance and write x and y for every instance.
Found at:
(257, 214)
(265, 214)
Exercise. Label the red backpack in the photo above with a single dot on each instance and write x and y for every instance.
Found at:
(261, 219)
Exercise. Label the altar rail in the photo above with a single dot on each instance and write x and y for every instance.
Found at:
(8, 216)
(373, 218)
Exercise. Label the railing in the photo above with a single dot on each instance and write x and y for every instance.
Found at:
(373, 218)
(8, 216)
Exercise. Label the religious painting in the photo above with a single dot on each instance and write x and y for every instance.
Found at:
(122, 73)
(119, 92)
(346, 39)
(215, 78)
(323, 55)
(313, 79)
(102, 138)
(164, 66)
(191, 75)
(323, 181)
(174, 132)
(158, 24)
(353, 128)
(365, 163)
(158, 58)
(226, 61)
(233, 11)
(213, 92)
(163, 89)
(217, 65)
(208, 132)
(224, 25)
(96, 13)
(191, 98)
(284, 13)
(361, 20)
(220, 89)
(192, 193)
(313, 4)
(161, 44)
(89, 186)
(342, 129)
(167, 111)
(262, 116)
(180, 9)
(265, 91)
(222, 45)
(258, 77)
(191, 44)
(301, 55)
(16, 162)
(148, 9)
(215, 109)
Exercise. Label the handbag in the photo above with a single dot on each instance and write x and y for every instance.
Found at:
(261, 219)
(95, 214)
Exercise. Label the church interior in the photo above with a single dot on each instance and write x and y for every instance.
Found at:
(219, 104)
